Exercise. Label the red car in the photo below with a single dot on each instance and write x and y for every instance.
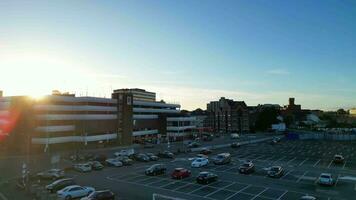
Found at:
(180, 173)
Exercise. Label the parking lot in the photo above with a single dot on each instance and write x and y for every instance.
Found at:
(303, 162)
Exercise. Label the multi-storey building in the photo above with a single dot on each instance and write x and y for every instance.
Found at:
(64, 120)
(228, 116)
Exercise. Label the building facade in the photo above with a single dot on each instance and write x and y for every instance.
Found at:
(227, 116)
(66, 121)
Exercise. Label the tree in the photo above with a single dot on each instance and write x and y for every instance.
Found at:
(266, 118)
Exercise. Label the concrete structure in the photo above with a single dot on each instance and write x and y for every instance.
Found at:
(62, 120)
(228, 116)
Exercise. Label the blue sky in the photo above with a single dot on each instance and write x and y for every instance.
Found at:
(187, 51)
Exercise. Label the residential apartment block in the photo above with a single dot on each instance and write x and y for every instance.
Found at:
(228, 116)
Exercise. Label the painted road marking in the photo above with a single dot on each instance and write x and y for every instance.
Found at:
(259, 193)
(220, 189)
(337, 180)
(242, 190)
(330, 164)
(291, 160)
(285, 192)
(303, 162)
(302, 176)
(3, 197)
(316, 162)
(343, 167)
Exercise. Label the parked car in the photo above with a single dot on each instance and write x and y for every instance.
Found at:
(114, 162)
(73, 192)
(234, 136)
(205, 151)
(206, 177)
(222, 158)
(53, 174)
(165, 154)
(85, 167)
(200, 162)
(125, 160)
(247, 168)
(96, 165)
(125, 152)
(201, 156)
(100, 158)
(326, 179)
(152, 156)
(194, 145)
(235, 145)
(141, 157)
(156, 169)
(179, 173)
(307, 197)
(60, 184)
(100, 195)
(338, 159)
(275, 172)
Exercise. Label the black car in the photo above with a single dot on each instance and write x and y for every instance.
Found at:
(205, 151)
(60, 184)
(235, 145)
(207, 138)
(275, 172)
(125, 160)
(141, 157)
(101, 195)
(152, 156)
(165, 154)
(247, 168)
(156, 170)
(206, 177)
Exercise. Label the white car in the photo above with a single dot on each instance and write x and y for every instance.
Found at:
(86, 167)
(125, 152)
(114, 162)
(200, 162)
(307, 197)
(234, 136)
(74, 191)
(51, 174)
(325, 179)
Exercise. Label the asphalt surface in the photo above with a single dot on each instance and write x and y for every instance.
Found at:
(303, 162)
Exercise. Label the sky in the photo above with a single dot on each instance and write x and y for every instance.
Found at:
(188, 52)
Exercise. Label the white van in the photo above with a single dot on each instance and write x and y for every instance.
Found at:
(234, 136)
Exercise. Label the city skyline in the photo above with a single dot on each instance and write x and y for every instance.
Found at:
(186, 56)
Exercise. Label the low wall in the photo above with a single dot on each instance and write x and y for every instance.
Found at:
(310, 135)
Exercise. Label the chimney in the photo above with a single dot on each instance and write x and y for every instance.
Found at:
(291, 101)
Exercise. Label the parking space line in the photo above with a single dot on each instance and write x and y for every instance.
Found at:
(316, 162)
(285, 192)
(259, 193)
(220, 189)
(343, 167)
(279, 159)
(287, 173)
(291, 160)
(337, 180)
(330, 164)
(229, 197)
(302, 176)
(197, 189)
(3, 197)
(300, 164)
